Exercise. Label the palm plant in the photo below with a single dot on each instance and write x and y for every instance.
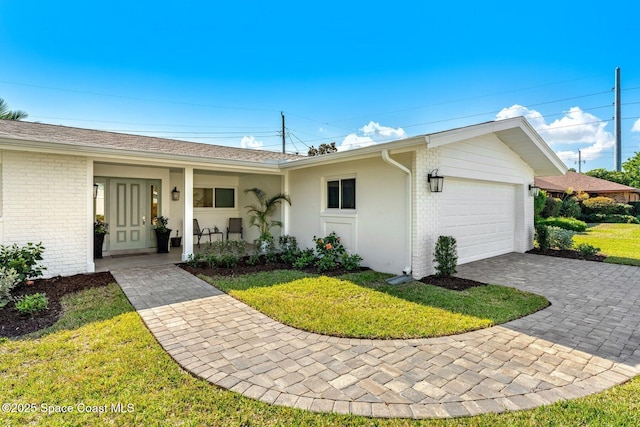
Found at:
(6, 114)
(260, 214)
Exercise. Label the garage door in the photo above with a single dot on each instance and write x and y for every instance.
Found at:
(480, 215)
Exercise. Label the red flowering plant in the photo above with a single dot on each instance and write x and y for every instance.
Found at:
(329, 252)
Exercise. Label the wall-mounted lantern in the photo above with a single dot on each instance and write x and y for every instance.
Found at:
(435, 181)
(534, 190)
(175, 194)
(95, 191)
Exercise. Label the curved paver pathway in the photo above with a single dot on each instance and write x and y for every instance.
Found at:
(588, 340)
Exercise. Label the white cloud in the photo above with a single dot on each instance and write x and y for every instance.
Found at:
(352, 141)
(251, 142)
(372, 133)
(636, 126)
(374, 128)
(574, 127)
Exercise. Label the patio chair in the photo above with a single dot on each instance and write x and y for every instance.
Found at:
(197, 231)
(235, 227)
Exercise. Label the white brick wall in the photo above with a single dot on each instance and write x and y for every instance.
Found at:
(45, 200)
(425, 212)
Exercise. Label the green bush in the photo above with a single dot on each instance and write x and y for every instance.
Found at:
(194, 260)
(351, 262)
(24, 260)
(566, 223)
(561, 238)
(30, 304)
(635, 208)
(551, 207)
(586, 249)
(446, 256)
(570, 208)
(599, 205)
(538, 204)
(253, 259)
(305, 259)
(326, 263)
(542, 236)
(8, 281)
(289, 247)
(611, 218)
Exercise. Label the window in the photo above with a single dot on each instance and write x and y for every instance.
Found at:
(225, 198)
(341, 194)
(220, 198)
(203, 197)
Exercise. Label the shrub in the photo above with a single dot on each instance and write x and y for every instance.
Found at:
(446, 256)
(599, 205)
(289, 247)
(538, 204)
(253, 259)
(570, 208)
(635, 208)
(566, 223)
(23, 260)
(34, 303)
(351, 262)
(227, 261)
(305, 259)
(586, 250)
(8, 281)
(551, 207)
(611, 218)
(542, 236)
(329, 246)
(271, 257)
(194, 260)
(560, 238)
(326, 263)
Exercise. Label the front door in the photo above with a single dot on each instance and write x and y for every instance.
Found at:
(131, 213)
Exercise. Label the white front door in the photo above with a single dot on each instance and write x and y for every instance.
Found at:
(131, 202)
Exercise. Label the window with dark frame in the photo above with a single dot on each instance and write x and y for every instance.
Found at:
(225, 198)
(220, 198)
(341, 194)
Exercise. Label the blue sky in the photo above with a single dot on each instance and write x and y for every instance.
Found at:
(353, 73)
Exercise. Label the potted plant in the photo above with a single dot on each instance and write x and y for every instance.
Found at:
(162, 234)
(260, 216)
(100, 228)
(176, 241)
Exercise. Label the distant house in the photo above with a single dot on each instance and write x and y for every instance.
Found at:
(557, 186)
(56, 180)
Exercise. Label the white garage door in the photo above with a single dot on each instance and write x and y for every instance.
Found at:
(480, 215)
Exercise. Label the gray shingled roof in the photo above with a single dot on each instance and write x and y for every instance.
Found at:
(112, 140)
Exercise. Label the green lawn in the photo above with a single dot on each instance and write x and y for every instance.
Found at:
(102, 354)
(621, 242)
(362, 305)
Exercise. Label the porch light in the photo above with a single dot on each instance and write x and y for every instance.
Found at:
(95, 191)
(435, 181)
(175, 194)
(534, 190)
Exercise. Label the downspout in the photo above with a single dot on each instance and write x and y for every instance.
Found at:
(389, 160)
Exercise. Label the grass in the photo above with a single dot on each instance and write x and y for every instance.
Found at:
(362, 305)
(100, 353)
(620, 242)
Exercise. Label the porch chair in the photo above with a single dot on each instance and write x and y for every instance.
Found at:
(235, 226)
(197, 231)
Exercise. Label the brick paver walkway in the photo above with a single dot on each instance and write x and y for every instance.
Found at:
(588, 340)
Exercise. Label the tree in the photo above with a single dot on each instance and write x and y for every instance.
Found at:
(322, 149)
(632, 169)
(613, 176)
(260, 214)
(6, 114)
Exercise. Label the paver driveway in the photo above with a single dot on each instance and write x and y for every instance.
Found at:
(586, 341)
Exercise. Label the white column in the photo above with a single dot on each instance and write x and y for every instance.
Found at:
(285, 206)
(188, 213)
(91, 267)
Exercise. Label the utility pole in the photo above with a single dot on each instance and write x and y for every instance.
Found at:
(580, 161)
(617, 125)
(283, 136)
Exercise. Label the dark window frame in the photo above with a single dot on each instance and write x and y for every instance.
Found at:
(341, 193)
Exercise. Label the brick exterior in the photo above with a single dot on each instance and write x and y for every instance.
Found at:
(425, 212)
(45, 200)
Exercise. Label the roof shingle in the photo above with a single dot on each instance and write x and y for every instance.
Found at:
(581, 182)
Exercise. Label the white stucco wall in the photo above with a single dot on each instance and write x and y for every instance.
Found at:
(376, 230)
(46, 199)
(272, 185)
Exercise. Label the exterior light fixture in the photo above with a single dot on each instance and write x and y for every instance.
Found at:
(534, 190)
(435, 181)
(95, 191)
(175, 194)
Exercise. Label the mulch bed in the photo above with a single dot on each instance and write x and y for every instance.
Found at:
(567, 254)
(243, 268)
(452, 283)
(13, 324)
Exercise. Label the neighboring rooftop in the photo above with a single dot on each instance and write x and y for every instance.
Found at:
(40, 132)
(581, 182)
